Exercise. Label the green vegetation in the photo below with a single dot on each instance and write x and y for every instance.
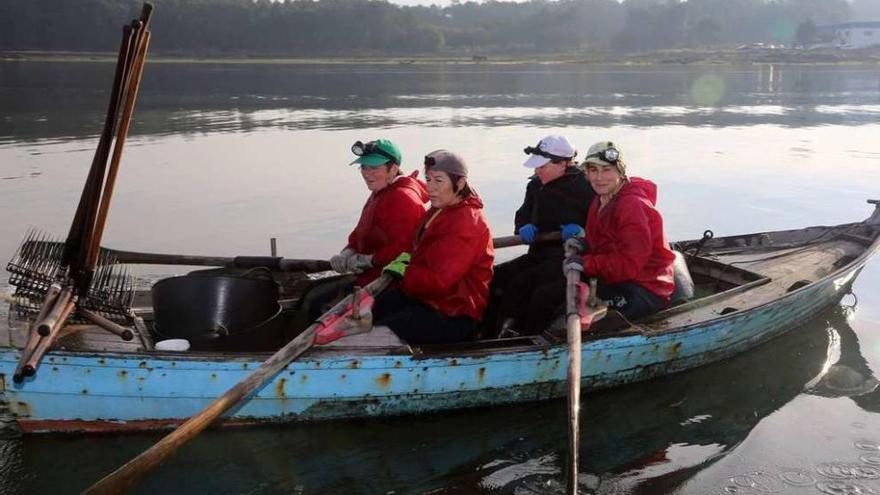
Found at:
(580, 29)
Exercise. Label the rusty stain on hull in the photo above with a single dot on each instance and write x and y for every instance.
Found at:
(384, 380)
(279, 388)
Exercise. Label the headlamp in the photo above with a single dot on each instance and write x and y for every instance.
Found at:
(609, 154)
(360, 148)
(536, 150)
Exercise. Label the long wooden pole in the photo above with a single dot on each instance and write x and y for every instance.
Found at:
(34, 335)
(274, 263)
(573, 325)
(125, 122)
(69, 301)
(125, 477)
(73, 246)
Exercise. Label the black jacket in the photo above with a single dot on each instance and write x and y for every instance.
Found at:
(547, 206)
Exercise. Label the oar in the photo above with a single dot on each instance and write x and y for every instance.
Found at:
(515, 240)
(125, 477)
(272, 262)
(573, 324)
(579, 317)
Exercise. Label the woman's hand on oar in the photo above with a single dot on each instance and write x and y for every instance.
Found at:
(126, 476)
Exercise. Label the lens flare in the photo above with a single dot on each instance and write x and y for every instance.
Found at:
(708, 90)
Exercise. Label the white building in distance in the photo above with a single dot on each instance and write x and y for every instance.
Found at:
(854, 35)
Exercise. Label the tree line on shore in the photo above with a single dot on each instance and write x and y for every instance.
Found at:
(303, 28)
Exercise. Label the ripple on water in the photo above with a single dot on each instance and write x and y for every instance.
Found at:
(843, 488)
(869, 445)
(870, 459)
(756, 482)
(514, 472)
(797, 478)
(847, 471)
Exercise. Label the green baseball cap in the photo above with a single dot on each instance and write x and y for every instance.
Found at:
(375, 153)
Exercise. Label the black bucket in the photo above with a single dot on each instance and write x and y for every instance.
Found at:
(219, 312)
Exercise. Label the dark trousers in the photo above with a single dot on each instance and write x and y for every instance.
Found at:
(323, 295)
(629, 299)
(518, 291)
(417, 323)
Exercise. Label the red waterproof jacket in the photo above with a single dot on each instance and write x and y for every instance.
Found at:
(388, 223)
(451, 265)
(627, 243)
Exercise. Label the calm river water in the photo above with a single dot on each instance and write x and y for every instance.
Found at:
(223, 157)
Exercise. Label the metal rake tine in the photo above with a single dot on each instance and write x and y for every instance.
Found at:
(23, 250)
(42, 257)
(57, 251)
(17, 255)
(32, 256)
(127, 291)
(101, 280)
(120, 282)
(48, 257)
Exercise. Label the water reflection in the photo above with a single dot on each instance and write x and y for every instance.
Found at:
(647, 438)
(66, 100)
(846, 372)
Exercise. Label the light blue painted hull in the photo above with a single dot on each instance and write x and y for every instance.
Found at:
(99, 392)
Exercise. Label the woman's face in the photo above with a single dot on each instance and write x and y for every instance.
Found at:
(605, 179)
(378, 178)
(550, 171)
(440, 189)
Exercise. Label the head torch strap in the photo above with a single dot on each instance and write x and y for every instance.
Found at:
(360, 149)
(536, 150)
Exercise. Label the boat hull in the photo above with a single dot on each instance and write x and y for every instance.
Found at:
(114, 392)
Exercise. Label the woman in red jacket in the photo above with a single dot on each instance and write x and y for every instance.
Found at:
(444, 284)
(625, 247)
(385, 229)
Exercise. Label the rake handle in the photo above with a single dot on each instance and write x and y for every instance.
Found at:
(45, 325)
(30, 369)
(121, 331)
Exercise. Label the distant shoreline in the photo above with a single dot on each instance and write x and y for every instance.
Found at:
(746, 56)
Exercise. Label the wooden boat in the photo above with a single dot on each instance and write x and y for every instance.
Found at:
(749, 289)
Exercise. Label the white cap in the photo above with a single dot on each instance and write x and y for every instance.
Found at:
(554, 145)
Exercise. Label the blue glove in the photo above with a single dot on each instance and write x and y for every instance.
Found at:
(570, 230)
(528, 233)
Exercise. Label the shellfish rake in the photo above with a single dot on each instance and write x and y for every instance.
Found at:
(37, 264)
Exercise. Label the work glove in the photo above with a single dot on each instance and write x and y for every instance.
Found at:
(339, 262)
(359, 263)
(573, 262)
(398, 267)
(578, 244)
(570, 230)
(528, 233)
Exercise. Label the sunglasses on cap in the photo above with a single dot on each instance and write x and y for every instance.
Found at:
(536, 150)
(360, 149)
(609, 154)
